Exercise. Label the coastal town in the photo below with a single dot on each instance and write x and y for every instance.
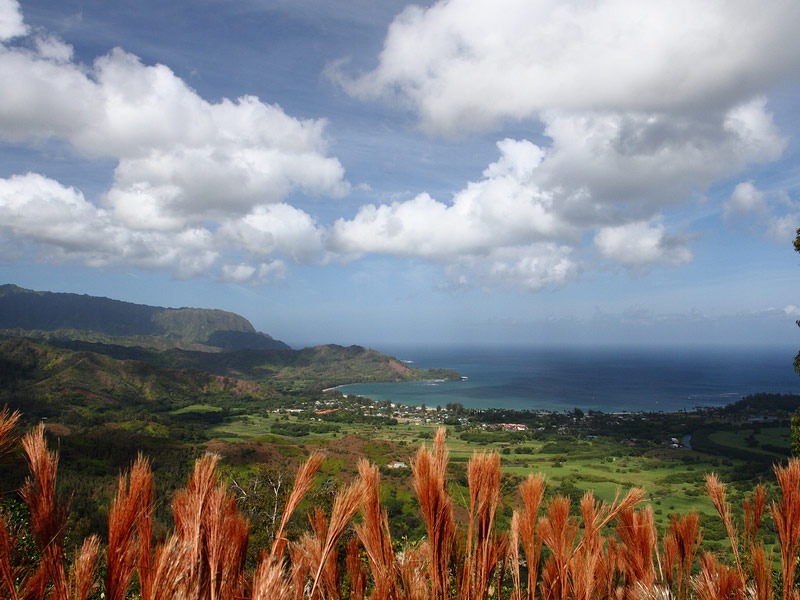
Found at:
(632, 429)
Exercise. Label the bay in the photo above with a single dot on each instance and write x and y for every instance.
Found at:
(590, 378)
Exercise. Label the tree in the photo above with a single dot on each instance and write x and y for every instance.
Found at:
(455, 407)
(797, 358)
(796, 417)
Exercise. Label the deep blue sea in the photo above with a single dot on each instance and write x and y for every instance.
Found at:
(606, 379)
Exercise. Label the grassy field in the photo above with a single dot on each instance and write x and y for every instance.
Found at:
(673, 479)
(196, 408)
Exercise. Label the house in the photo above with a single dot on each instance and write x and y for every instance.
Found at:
(513, 427)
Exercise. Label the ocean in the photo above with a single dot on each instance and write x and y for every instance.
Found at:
(604, 379)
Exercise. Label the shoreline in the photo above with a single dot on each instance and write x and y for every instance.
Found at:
(697, 410)
(567, 406)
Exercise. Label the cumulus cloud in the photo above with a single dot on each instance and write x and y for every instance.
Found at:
(61, 225)
(192, 177)
(642, 244)
(745, 200)
(783, 229)
(498, 229)
(776, 214)
(644, 105)
(635, 109)
(629, 166)
(253, 274)
(52, 48)
(503, 209)
(58, 224)
(181, 158)
(532, 267)
(275, 229)
(610, 175)
(464, 65)
(11, 23)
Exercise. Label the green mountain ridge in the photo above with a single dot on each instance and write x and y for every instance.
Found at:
(45, 378)
(64, 316)
(70, 354)
(321, 366)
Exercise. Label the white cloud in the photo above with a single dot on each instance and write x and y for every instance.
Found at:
(783, 229)
(641, 245)
(776, 213)
(532, 267)
(745, 200)
(499, 231)
(791, 310)
(181, 159)
(195, 182)
(61, 225)
(275, 229)
(612, 167)
(52, 48)
(645, 105)
(640, 105)
(606, 174)
(464, 65)
(253, 274)
(11, 23)
(503, 209)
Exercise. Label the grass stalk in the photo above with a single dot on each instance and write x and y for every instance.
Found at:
(429, 470)
(558, 531)
(129, 515)
(637, 532)
(532, 493)
(356, 575)
(345, 506)
(83, 574)
(786, 515)
(716, 581)
(48, 514)
(302, 483)
(269, 582)
(375, 536)
(716, 492)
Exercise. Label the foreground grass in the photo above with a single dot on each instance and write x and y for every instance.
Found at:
(592, 550)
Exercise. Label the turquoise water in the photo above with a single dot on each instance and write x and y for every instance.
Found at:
(611, 380)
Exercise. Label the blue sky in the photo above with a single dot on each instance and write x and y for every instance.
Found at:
(380, 173)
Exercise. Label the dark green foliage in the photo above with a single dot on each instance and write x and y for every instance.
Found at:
(487, 437)
(443, 374)
(702, 442)
(795, 422)
(236, 340)
(17, 516)
(355, 416)
(795, 435)
(762, 403)
(26, 309)
(89, 318)
(291, 429)
(304, 371)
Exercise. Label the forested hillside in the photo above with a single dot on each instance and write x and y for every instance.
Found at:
(75, 316)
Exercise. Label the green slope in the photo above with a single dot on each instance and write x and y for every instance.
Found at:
(51, 315)
(46, 375)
